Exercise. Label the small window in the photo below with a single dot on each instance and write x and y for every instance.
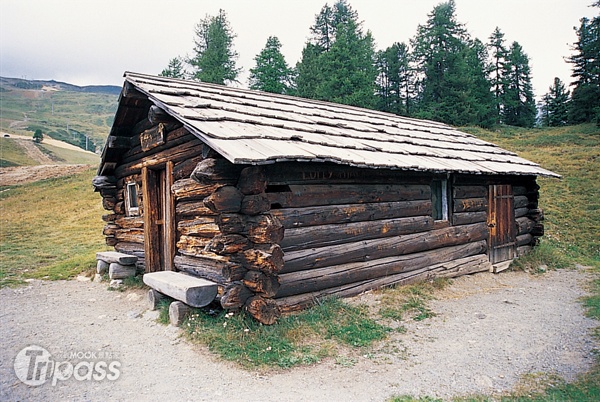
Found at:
(439, 199)
(131, 199)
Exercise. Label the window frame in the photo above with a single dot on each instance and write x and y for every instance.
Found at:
(132, 208)
(444, 199)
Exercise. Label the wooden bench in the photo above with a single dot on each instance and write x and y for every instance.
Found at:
(193, 291)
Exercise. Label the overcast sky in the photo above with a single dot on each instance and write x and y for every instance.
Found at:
(93, 42)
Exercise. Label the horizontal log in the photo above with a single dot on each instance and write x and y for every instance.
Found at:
(212, 170)
(227, 244)
(317, 279)
(524, 225)
(261, 229)
(470, 191)
(119, 208)
(192, 245)
(110, 229)
(197, 208)
(255, 204)
(265, 311)
(470, 205)
(384, 247)
(226, 199)
(267, 259)
(235, 295)
(521, 201)
(329, 173)
(326, 235)
(111, 217)
(111, 241)
(188, 149)
(108, 203)
(300, 301)
(537, 230)
(204, 226)
(524, 239)
(184, 168)
(252, 180)
(210, 266)
(135, 235)
(188, 189)
(323, 215)
(173, 138)
(319, 194)
(520, 212)
(130, 222)
(130, 248)
(258, 282)
(466, 218)
(157, 115)
(536, 214)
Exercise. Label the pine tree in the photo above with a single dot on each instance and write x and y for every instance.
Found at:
(555, 110)
(175, 69)
(395, 80)
(271, 73)
(585, 99)
(498, 55)
(214, 59)
(441, 51)
(38, 136)
(338, 63)
(477, 67)
(518, 100)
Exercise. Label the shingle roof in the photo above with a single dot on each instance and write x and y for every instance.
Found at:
(251, 127)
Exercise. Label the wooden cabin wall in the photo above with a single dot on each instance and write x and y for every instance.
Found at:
(348, 230)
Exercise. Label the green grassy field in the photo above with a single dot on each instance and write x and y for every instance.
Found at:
(59, 114)
(51, 229)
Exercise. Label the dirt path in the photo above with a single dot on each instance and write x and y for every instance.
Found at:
(489, 331)
(49, 141)
(10, 176)
(33, 151)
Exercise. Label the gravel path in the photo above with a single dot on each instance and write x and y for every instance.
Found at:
(489, 331)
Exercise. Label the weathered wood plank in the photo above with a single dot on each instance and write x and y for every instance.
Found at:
(226, 199)
(469, 191)
(212, 170)
(261, 229)
(470, 205)
(204, 226)
(192, 208)
(258, 282)
(119, 271)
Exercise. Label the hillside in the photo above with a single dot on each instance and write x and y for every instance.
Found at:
(81, 116)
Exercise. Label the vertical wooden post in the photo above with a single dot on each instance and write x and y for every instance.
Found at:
(169, 245)
(151, 202)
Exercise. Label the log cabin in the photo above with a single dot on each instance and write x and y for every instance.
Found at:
(281, 201)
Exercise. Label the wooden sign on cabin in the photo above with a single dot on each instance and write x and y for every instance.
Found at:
(152, 137)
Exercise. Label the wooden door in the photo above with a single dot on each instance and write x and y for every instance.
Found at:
(159, 230)
(501, 223)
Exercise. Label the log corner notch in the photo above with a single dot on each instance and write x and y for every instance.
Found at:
(250, 235)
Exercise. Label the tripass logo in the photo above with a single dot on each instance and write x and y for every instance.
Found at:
(34, 366)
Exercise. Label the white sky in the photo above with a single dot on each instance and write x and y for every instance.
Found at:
(94, 42)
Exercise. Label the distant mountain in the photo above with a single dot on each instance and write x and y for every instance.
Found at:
(53, 85)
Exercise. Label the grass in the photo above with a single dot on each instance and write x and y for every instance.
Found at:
(49, 229)
(60, 114)
(12, 154)
(333, 328)
(572, 226)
